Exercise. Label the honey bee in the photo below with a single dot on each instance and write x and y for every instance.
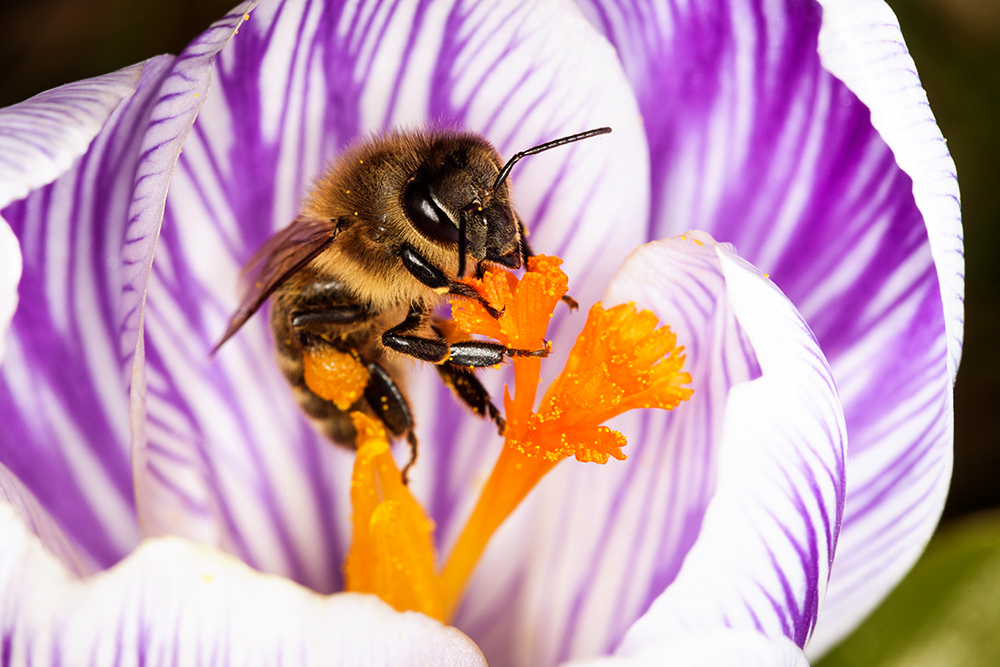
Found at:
(386, 234)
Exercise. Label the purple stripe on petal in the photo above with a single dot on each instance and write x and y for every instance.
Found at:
(63, 397)
(39, 522)
(41, 137)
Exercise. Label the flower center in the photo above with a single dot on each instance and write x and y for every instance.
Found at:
(621, 361)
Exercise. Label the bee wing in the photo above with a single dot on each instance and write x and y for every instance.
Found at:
(279, 259)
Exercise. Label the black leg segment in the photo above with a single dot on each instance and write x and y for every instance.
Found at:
(402, 339)
(476, 354)
(387, 400)
(471, 392)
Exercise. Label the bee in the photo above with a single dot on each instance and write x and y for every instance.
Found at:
(385, 236)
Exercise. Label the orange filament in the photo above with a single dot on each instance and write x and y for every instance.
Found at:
(621, 361)
(337, 376)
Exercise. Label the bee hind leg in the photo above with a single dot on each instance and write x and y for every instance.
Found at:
(389, 404)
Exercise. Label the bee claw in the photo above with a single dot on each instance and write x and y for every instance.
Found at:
(540, 354)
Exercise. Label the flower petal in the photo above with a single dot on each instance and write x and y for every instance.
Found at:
(177, 603)
(10, 274)
(768, 537)
(734, 648)
(752, 139)
(63, 383)
(861, 44)
(232, 456)
(595, 546)
(37, 520)
(88, 241)
(41, 137)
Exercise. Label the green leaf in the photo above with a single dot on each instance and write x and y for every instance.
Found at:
(946, 613)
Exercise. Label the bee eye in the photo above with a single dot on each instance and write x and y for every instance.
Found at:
(426, 215)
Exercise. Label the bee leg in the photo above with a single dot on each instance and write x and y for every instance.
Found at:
(421, 269)
(412, 439)
(389, 404)
(402, 339)
(477, 353)
(468, 388)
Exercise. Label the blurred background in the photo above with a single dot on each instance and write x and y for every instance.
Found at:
(955, 43)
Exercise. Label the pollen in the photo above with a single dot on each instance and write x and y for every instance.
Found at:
(621, 361)
(336, 376)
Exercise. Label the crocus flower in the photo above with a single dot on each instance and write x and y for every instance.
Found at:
(161, 506)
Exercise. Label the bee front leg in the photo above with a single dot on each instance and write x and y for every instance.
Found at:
(430, 275)
(403, 338)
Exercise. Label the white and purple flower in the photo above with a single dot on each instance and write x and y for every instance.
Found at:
(759, 522)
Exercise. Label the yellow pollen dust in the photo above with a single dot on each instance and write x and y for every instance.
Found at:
(337, 376)
(622, 360)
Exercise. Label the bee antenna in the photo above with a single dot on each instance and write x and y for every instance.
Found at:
(544, 147)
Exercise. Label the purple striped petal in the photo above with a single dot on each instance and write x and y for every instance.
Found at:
(87, 240)
(231, 460)
(41, 137)
(64, 391)
(711, 649)
(36, 519)
(851, 206)
(862, 45)
(172, 602)
(730, 504)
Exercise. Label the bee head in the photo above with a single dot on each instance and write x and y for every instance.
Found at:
(451, 200)
(458, 198)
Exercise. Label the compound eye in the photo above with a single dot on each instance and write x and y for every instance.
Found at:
(426, 215)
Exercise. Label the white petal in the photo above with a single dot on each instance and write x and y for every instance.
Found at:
(762, 557)
(732, 648)
(172, 602)
(10, 273)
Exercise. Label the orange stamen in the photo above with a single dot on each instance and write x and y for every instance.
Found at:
(621, 361)
(392, 553)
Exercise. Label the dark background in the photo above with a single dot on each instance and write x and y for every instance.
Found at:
(955, 43)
